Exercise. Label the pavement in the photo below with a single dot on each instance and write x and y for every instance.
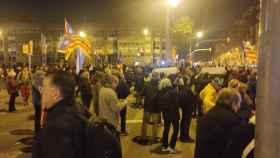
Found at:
(16, 128)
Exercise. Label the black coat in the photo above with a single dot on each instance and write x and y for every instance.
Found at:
(63, 134)
(85, 88)
(168, 103)
(122, 90)
(150, 93)
(214, 132)
(186, 99)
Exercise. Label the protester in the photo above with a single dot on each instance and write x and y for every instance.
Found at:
(12, 86)
(151, 109)
(85, 88)
(170, 112)
(200, 81)
(109, 104)
(37, 83)
(209, 94)
(186, 101)
(122, 92)
(63, 134)
(214, 128)
(96, 81)
(24, 78)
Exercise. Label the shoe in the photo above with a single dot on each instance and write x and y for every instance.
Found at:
(186, 140)
(171, 150)
(164, 149)
(123, 134)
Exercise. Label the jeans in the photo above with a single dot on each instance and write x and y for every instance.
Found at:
(123, 119)
(167, 125)
(185, 124)
(37, 120)
(86, 99)
(12, 102)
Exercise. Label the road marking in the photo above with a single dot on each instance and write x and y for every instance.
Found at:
(133, 121)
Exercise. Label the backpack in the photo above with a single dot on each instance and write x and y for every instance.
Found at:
(101, 139)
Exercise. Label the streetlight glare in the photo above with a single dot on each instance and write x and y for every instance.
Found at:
(82, 34)
(199, 34)
(1, 32)
(146, 32)
(173, 3)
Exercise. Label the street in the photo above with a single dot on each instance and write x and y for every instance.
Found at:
(19, 125)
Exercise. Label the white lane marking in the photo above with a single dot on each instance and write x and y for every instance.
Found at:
(133, 121)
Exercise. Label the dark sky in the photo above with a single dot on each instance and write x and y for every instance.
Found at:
(213, 14)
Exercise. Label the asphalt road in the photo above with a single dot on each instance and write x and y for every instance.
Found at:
(15, 127)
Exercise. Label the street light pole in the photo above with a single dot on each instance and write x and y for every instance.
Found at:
(167, 34)
(267, 126)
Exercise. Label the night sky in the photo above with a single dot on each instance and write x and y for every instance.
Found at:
(210, 14)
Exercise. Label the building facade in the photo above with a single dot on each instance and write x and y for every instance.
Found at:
(121, 45)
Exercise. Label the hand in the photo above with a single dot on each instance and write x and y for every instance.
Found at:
(131, 99)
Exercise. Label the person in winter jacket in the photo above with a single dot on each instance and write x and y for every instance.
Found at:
(24, 78)
(170, 112)
(209, 94)
(63, 134)
(215, 127)
(122, 92)
(85, 89)
(151, 108)
(12, 86)
(186, 101)
(37, 83)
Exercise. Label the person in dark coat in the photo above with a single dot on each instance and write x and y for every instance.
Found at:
(12, 86)
(85, 89)
(37, 83)
(186, 101)
(170, 112)
(215, 127)
(151, 109)
(122, 92)
(63, 134)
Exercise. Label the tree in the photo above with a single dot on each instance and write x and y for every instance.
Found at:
(182, 30)
(183, 26)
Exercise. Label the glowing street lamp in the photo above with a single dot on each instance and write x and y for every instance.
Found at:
(173, 3)
(1, 32)
(146, 32)
(83, 34)
(199, 34)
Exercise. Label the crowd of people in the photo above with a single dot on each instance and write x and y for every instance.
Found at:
(223, 106)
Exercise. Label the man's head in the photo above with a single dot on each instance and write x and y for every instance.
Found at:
(234, 84)
(230, 98)
(56, 87)
(217, 83)
(110, 81)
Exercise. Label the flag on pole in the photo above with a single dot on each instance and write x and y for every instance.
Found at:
(67, 28)
(44, 43)
(80, 58)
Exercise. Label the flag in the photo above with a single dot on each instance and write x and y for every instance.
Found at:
(80, 58)
(25, 49)
(31, 46)
(44, 45)
(67, 28)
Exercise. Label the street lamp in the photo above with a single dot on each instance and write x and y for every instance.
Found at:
(82, 34)
(146, 32)
(173, 3)
(199, 34)
(170, 4)
(1, 33)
